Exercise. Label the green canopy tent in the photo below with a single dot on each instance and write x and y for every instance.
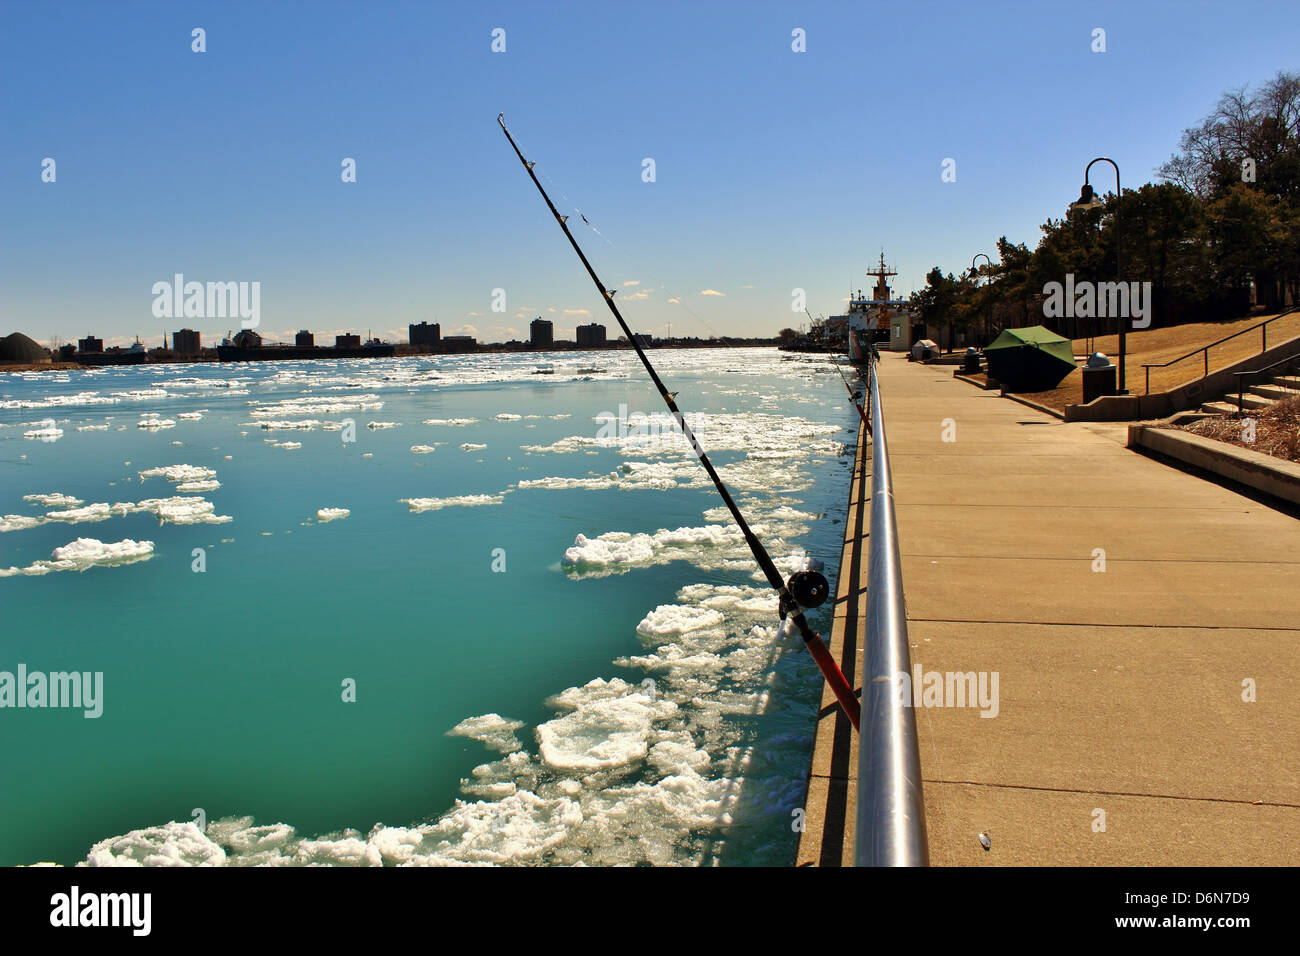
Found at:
(1032, 359)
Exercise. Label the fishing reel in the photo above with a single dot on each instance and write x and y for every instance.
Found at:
(807, 589)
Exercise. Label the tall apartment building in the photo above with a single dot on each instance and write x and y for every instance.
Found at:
(591, 336)
(541, 333)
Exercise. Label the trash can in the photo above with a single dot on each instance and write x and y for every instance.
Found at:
(971, 364)
(1099, 378)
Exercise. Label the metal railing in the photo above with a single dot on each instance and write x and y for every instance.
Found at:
(891, 811)
(1262, 327)
(1242, 376)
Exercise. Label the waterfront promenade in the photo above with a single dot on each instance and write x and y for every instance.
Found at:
(1121, 736)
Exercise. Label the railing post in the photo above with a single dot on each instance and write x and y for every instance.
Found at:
(891, 810)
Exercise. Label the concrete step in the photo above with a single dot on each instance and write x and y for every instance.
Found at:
(1249, 401)
(1289, 381)
(1275, 392)
(1220, 408)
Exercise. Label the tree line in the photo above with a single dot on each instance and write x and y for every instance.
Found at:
(1218, 234)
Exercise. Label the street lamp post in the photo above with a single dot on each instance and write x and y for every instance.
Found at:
(987, 281)
(1088, 200)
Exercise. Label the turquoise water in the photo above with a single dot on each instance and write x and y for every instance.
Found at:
(223, 689)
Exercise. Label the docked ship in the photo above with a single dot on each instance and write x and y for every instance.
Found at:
(246, 346)
(881, 319)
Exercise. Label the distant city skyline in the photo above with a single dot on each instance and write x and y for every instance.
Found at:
(722, 168)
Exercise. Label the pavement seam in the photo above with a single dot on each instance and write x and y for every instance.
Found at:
(1112, 793)
(1154, 627)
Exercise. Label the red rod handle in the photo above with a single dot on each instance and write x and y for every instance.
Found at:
(836, 679)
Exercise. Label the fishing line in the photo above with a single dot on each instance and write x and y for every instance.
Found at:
(805, 589)
(673, 298)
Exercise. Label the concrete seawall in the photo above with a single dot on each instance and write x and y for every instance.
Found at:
(831, 806)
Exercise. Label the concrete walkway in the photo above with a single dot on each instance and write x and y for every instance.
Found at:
(1121, 734)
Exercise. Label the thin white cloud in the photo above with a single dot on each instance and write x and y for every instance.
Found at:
(711, 292)
(576, 312)
(632, 282)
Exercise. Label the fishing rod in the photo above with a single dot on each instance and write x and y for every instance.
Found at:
(805, 589)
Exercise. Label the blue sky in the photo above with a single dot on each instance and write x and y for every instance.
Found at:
(774, 170)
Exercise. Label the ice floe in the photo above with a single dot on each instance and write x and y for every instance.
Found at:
(46, 431)
(84, 553)
(178, 473)
(467, 501)
(493, 730)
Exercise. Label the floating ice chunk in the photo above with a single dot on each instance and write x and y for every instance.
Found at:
(302, 424)
(422, 449)
(152, 421)
(603, 733)
(290, 445)
(671, 756)
(450, 421)
(678, 619)
(589, 484)
(174, 844)
(598, 689)
(190, 416)
(383, 424)
(348, 851)
(434, 504)
(94, 512)
(208, 484)
(177, 473)
(631, 476)
(92, 428)
(470, 446)
(54, 500)
(86, 553)
(46, 431)
(730, 598)
(519, 829)
(493, 730)
(332, 514)
(178, 510)
(19, 522)
(267, 845)
(507, 417)
(619, 551)
(54, 401)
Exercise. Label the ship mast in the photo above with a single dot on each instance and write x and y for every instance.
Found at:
(881, 292)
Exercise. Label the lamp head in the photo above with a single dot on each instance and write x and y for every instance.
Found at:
(1087, 199)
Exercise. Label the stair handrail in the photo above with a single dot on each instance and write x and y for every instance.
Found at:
(1241, 377)
(1206, 348)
